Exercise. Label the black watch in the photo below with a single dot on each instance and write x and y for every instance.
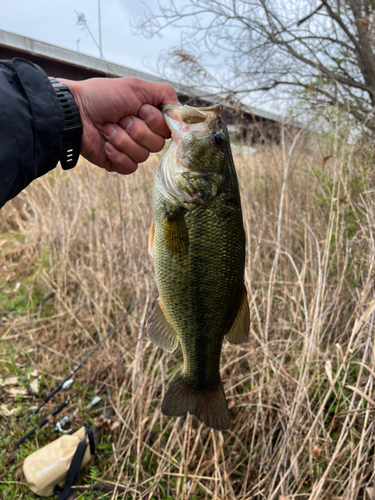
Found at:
(71, 136)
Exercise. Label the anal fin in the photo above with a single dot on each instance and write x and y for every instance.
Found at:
(239, 331)
(208, 405)
(160, 331)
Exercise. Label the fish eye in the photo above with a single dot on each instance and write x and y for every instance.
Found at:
(218, 138)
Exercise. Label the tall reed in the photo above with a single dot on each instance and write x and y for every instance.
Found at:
(300, 392)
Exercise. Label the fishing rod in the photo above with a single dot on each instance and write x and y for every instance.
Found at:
(67, 382)
(57, 410)
(63, 405)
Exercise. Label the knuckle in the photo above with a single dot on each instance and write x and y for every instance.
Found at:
(170, 91)
(123, 141)
(118, 140)
(135, 131)
(168, 88)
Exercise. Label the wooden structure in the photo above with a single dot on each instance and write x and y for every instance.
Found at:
(248, 123)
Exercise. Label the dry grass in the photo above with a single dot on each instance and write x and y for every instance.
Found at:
(300, 392)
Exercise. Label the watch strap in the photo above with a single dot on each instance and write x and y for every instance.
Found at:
(71, 136)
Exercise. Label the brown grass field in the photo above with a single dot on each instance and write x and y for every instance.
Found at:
(73, 259)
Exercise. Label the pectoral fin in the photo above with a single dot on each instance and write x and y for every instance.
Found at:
(176, 235)
(239, 331)
(161, 332)
(151, 239)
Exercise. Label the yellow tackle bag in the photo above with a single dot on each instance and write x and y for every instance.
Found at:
(54, 469)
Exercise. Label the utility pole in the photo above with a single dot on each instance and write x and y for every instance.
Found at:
(100, 32)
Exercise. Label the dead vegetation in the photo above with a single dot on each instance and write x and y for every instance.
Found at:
(73, 254)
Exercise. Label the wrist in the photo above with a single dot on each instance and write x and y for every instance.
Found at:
(72, 132)
(73, 86)
(76, 88)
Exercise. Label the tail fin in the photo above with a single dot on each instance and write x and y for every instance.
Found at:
(208, 405)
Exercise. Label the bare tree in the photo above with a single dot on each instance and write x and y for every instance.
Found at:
(321, 51)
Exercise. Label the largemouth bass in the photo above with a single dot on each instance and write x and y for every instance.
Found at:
(197, 241)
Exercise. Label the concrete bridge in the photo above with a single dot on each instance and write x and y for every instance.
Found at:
(248, 123)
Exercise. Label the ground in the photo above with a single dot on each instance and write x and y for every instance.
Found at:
(73, 254)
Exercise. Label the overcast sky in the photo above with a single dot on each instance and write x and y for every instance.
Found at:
(55, 22)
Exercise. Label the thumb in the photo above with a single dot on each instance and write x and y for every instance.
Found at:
(155, 93)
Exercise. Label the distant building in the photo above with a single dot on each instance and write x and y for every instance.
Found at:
(251, 123)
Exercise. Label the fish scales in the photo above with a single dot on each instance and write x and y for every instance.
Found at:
(198, 245)
(195, 291)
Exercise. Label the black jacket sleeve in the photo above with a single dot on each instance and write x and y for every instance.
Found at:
(31, 126)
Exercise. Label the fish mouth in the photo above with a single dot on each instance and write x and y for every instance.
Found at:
(186, 119)
(191, 115)
(193, 123)
(183, 118)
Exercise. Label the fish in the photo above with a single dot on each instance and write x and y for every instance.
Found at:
(197, 241)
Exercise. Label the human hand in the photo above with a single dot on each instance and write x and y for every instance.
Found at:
(120, 119)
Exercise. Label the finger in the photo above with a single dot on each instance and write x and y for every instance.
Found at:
(121, 162)
(154, 93)
(142, 134)
(121, 140)
(154, 119)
